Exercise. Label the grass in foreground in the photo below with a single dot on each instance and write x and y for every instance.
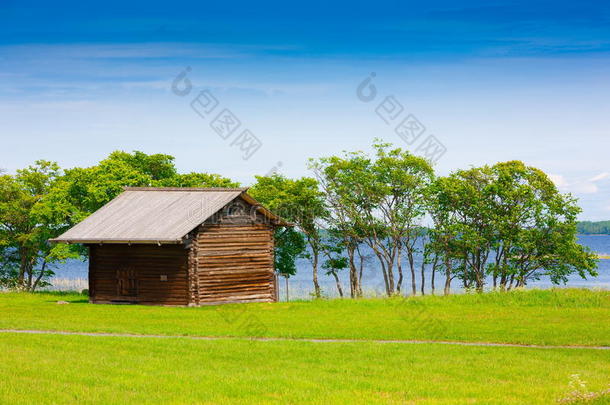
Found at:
(77, 369)
(545, 317)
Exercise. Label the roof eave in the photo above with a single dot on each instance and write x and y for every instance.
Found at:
(117, 241)
(182, 189)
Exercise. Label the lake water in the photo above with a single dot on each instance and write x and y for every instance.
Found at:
(73, 275)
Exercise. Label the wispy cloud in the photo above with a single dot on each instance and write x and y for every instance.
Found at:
(588, 186)
(599, 177)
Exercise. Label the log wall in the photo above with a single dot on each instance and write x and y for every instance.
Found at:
(234, 263)
(144, 274)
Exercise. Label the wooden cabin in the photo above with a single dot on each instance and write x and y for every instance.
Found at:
(179, 246)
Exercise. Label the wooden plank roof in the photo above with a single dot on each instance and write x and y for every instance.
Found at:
(156, 215)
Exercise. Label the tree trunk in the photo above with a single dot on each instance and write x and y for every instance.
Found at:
(447, 276)
(510, 284)
(434, 264)
(287, 296)
(316, 285)
(360, 269)
(338, 282)
(503, 282)
(423, 277)
(384, 272)
(390, 269)
(40, 275)
(352, 271)
(412, 268)
(399, 267)
(385, 278)
(22, 268)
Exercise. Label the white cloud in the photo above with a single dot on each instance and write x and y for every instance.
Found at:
(580, 186)
(599, 177)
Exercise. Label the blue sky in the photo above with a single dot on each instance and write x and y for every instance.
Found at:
(492, 81)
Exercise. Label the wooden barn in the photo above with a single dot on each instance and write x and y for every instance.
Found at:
(179, 246)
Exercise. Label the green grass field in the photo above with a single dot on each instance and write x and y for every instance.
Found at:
(547, 317)
(63, 369)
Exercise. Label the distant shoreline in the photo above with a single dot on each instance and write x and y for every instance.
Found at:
(594, 227)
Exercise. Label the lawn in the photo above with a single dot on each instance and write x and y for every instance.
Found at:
(67, 369)
(544, 317)
(109, 370)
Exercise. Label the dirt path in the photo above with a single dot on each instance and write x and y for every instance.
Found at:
(313, 340)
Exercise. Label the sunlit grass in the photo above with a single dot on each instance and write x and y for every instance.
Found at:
(546, 317)
(77, 369)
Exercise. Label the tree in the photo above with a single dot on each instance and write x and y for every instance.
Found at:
(157, 167)
(335, 260)
(536, 229)
(404, 180)
(443, 235)
(298, 201)
(92, 187)
(41, 202)
(344, 181)
(289, 246)
(507, 221)
(380, 201)
(28, 218)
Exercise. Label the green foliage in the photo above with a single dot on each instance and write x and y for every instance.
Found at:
(510, 212)
(41, 202)
(197, 180)
(296, 200)
(378, 200)
(90, 188)
(157, 166)
(28, 218)
(299, 201)
(507, 220)
(289, 246)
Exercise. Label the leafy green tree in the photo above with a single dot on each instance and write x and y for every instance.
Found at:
(469, 195)
(156, 167)
(289, 246)
(90, 188)
(379, 200)
(403, 180)
(299, 201)
(335, 260)
(536, 228)
(346, 183)
(41, 202)
(508, 221)
(442, 247)
(28, 218)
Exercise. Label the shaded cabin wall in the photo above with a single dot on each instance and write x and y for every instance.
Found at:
(234, 264)
(145, 274)
(232, 259)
